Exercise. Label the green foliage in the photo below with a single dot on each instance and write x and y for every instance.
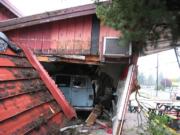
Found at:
(139, 20)
(162, 119)
(157, 124)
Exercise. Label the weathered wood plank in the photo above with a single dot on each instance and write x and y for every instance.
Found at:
(29, 120)
(10, 61)
(17, 73)
(16, 105)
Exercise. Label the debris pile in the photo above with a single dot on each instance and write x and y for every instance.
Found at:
(95, 124)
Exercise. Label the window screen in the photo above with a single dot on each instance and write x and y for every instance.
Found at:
(115, 47)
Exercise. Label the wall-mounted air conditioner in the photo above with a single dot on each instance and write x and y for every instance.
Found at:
(113, 48)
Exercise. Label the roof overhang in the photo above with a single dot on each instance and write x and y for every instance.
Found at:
(47, 17)
(160, 46)
(11, 8)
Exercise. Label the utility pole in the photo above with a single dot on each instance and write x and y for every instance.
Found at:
(177, 55)
(157, 73)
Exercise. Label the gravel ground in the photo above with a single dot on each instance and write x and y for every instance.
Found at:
(135, 124)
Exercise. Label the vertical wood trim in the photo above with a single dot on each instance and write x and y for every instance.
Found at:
(95, 35)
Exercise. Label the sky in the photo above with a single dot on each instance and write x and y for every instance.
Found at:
(30, 7)
(167, 61)
(167, 64)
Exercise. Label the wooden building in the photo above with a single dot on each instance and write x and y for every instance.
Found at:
(73, 31)
(68, 41)
(71, 41)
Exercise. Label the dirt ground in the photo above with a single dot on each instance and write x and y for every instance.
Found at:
(135, 124)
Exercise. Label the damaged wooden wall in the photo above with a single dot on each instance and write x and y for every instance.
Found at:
(26, 104)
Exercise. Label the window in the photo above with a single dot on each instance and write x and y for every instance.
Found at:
(63, 81)
(79, 82)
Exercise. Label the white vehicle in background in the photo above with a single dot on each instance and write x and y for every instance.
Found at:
(178, 95)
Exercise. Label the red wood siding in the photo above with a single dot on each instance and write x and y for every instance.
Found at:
(70, 36)
(5, 13)
(27, 105)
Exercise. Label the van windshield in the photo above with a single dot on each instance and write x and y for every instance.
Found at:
(79, 82)
(63, 81)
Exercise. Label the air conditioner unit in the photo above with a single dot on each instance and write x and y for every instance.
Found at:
(113, 48)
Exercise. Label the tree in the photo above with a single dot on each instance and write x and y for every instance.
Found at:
(142, 20)
(141, 78)
(161, 76)
(150, 80)
(166, 83)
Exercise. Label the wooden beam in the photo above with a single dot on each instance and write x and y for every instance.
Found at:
(47, 17)
(94, 60)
